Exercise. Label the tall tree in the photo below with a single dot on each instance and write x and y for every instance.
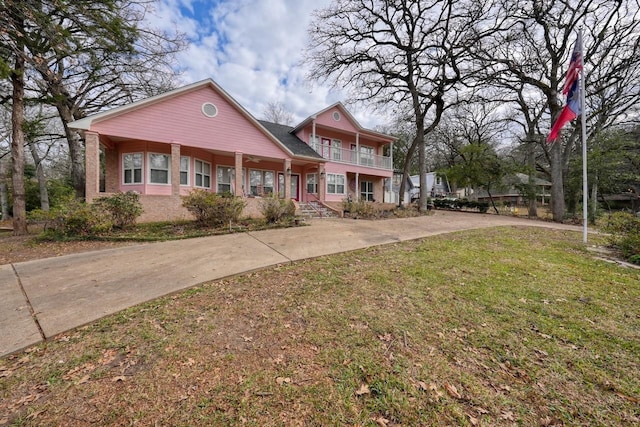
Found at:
(89, 55)
(276, 112)
(408, 53)
(530, 53)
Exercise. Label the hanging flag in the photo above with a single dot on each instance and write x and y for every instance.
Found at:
(572, 89)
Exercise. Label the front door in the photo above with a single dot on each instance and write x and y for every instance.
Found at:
(295, 185)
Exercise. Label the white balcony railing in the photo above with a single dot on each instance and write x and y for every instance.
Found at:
(343, 155)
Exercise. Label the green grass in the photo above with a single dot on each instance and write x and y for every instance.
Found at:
(501, 326)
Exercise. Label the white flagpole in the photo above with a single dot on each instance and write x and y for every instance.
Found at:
(585, 187)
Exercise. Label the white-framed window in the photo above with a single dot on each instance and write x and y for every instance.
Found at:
(312, 183)
(132, 164)
(224, 179)
(202, 174)
(314, 142)
(185, 163)
(261, 182)
(366, 191)
(335, 183)
(336, 149)
(438, 180)
(366, 155)
(159, 168)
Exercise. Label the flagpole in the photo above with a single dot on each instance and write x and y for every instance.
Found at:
(585, 187)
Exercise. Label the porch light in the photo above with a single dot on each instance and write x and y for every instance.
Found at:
(288, 171)
(322, 174)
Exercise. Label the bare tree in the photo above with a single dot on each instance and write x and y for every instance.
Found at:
(408, 53)
(530, 54)
(276, 112)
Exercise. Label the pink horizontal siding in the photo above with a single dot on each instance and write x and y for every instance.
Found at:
(180, 119)
(344, 123)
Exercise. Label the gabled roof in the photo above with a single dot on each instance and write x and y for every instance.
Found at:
(345, 112)
(292, 142)
(87, 122)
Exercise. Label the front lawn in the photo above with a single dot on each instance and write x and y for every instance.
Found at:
(502, 326)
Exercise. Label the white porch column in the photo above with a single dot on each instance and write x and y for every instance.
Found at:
(358, 149)
(287, 179)
(238, 175)
(391, 153)
(92, 165)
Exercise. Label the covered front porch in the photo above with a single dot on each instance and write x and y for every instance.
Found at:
(161, 173)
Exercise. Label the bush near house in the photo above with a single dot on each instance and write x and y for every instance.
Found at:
(276, 210)
(124, 208)
(624, 234)
(213, 209)
(458, 204)
(73, 217)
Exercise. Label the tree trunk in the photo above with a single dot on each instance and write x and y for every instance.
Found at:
(594, 200)
(17, 143)
(42, 179)
(405, 171)
(422, 163)
(76, 152)
(4, 192)
(531, 161)
(557, 184)
(493, 203)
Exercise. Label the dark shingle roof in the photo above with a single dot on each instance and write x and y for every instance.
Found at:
(292, 142)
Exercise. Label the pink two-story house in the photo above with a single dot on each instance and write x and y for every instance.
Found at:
(198, 136)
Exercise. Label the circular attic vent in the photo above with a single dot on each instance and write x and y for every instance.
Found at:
(336, 116)
(209, 110)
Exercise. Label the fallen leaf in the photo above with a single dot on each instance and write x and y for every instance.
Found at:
(452, 390)
(507, 415)
(247, 339)
(473, 420)
(118, 378)
(382, 422)
(364, 389)
(423, 385)
(283, 380)
(481, 410)
(83, 380)
(523, 300)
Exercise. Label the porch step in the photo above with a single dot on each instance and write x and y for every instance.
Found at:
(315, 210)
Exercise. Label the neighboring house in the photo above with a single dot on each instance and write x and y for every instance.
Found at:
(198, 136)
(437, 186)
(510, 191)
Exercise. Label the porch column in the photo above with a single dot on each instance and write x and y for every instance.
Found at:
(357, 149)
(238, 175)
(391, 154)
(287, 179)
(92, 165)
(175, 169)
(322, 182)
(357, 189)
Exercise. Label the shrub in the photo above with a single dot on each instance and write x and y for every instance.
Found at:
(72, 217)
(275, 209)
(624, 230)
(124, 208)
(212, 208)
(359, 208)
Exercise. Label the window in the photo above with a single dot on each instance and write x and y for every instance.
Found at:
(159, 168)
(336, 149)
(335, 183)
(312, 183)
(184, 170)
(225, 178)
(366, 190)
(314, 143)
(132, 168)
(438, 180)
(203, 174)
(260, 182)
(331, 148)
(366, 155)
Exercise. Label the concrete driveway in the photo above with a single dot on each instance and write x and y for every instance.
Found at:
(42, 298)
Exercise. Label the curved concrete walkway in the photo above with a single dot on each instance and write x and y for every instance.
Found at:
(42, 298)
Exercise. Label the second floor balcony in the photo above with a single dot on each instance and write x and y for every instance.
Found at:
(362, 157)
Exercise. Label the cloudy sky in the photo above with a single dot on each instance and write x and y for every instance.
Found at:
(253, 49)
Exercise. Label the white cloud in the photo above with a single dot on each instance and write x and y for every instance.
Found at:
(253, 49)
